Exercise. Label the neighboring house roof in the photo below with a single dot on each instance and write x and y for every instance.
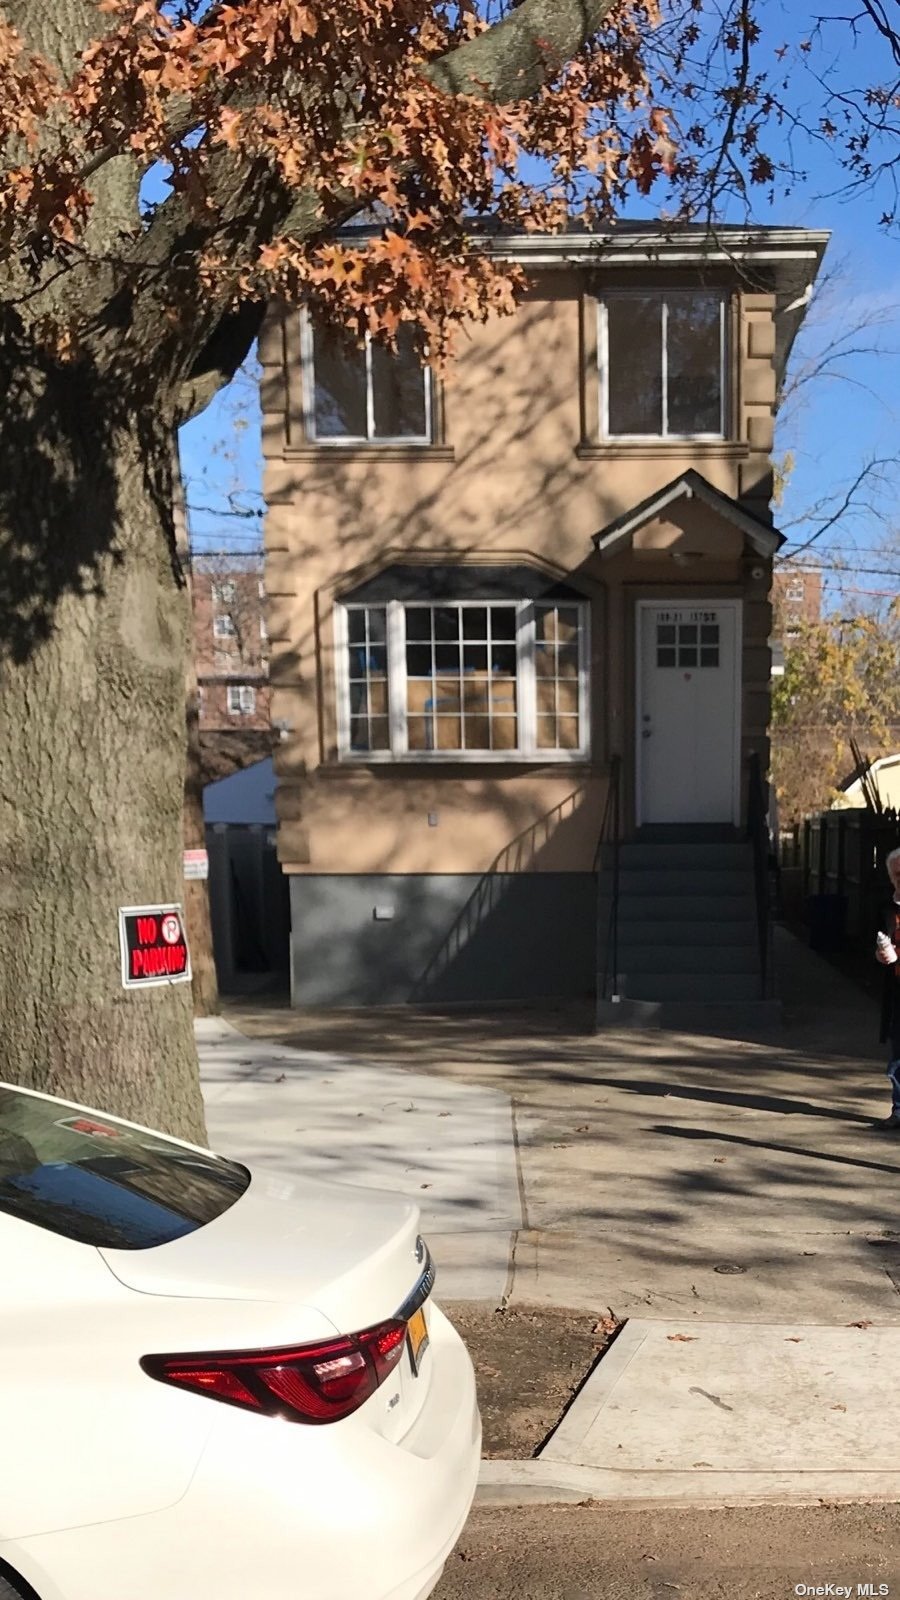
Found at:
(885, 769)
(245, 798)
(690, 485)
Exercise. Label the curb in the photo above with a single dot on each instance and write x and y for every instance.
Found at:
(510, 1483)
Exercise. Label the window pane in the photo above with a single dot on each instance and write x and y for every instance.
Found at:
(503, 622)
(474, 620)
(339, 398)
(449, 733)
(709, 655)
(694, 363)
(398, 390)
(503, 658)
(665, 656)
(418, 660)
(446, 622)
(418, 622)
(475, 658)
(417, 733)
(356, 627)
(546, 732)
(568, 733)
(634, 364)
(504, 733)
(687, 655)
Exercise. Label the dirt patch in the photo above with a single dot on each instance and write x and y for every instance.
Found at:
(529, 1361)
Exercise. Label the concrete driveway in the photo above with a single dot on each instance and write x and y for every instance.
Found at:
(667, 1174)
(729, 1198)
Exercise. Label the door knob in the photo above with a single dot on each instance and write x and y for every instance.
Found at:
(645, 733)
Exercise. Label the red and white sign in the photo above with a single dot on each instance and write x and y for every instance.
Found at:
(196, 864)
(153, 946)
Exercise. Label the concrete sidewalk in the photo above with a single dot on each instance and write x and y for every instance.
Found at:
(728, 1197)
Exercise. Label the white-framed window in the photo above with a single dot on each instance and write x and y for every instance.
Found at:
(662, 359)
(241, 699)
(795, 592)
(364, 394)
(224, 628)
(224, 594)
(463, 680)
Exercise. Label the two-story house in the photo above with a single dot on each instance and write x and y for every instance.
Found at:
(519, 621)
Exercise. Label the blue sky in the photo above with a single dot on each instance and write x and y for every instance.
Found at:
(842, 423)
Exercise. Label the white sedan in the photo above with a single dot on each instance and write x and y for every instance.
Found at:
(216, 1385)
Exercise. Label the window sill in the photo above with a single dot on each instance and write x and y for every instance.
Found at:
(664, 449)
(369, 452)
(342, 765)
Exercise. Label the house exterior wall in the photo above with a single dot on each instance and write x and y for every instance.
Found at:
(518, 472)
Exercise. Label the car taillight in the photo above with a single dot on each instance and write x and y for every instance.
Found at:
(305, 1383)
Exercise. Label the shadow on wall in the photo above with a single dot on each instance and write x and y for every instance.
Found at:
(515, 932)
(498, 915)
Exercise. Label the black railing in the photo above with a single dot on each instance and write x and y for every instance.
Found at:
(758, 834)
(608, 850)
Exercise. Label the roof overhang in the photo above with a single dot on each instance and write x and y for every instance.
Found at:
(691, 485)
(780, 261)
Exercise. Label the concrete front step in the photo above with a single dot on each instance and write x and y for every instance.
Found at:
(723, 881)
(696, 985)
(689, 857)
(680, 909)
(639, 929)
(731, 1019)
(672, 958)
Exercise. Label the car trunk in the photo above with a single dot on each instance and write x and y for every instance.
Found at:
(349, 1253)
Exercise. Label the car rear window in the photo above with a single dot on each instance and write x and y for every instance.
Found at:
(93, 1180)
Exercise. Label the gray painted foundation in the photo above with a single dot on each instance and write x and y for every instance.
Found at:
(399, 939)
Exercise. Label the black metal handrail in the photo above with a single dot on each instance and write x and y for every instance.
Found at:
(610, 835)
(758, 834)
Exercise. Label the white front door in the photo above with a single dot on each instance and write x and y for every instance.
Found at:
(688, 711)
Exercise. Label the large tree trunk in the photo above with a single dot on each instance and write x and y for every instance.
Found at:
(93, 633)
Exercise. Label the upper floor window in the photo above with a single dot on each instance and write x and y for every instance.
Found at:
(224, 594)
(365, 394)
(662, 364)
(223, 627)
(457, 679)
(241, 699)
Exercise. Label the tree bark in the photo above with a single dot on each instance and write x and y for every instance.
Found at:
(93, 633)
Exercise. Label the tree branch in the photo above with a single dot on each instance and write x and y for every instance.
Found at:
(513, 59)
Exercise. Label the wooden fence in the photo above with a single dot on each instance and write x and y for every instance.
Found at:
(840, 854)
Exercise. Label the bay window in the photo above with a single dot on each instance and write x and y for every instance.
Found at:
(483, 678)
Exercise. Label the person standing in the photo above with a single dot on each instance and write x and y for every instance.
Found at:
(887, 950)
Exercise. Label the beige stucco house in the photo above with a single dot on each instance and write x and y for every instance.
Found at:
(521, 613)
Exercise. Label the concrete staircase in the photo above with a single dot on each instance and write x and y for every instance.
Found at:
(688, 946)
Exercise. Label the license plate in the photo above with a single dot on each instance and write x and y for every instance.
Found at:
(417, 1339)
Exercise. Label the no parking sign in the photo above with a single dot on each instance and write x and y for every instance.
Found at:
(153, 945)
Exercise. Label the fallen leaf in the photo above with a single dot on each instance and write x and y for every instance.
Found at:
(560, 1147)
(281, 1078)
(424, 1185)
(605, 1325)
(681, 1338)
(862, 1324)
(697, 1464)
(792, 1338)
(838, 1408)
(585, 1128)
(719, 1159)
